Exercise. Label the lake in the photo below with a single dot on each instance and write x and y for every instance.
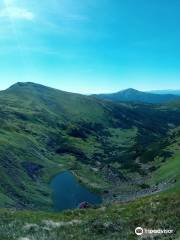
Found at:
(67, 192)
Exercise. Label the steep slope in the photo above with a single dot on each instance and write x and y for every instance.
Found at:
(116, 221)
(34, 121)
(132, 95)
(43, 131)
(64, 104)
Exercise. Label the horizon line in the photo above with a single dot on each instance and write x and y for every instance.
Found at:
(103, 92)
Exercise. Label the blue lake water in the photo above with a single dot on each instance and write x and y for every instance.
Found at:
(67, 192)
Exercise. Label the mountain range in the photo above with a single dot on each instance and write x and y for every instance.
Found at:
(133, 95)
(169, 91)
(124, 149)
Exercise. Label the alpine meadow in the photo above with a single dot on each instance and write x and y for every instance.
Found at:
(126, 152)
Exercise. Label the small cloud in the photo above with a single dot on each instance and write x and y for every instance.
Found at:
(16, 13)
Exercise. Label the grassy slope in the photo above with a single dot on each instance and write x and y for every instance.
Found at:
(56, 130)
(35, 121)
(116, 221)
(32, 130)
(169, 169)
(28, 119)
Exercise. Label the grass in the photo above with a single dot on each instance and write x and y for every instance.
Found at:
(115, 221)
(91, 178)
(168, 169)
(55, 131)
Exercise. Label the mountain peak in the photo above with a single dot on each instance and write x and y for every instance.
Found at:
(24, 84)
(133, 95)
(28, 86)
(129, 90)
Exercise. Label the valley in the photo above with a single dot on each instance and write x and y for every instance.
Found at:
(127, 153)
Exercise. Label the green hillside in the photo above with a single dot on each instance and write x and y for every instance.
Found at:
(122, 151)
(116, 221)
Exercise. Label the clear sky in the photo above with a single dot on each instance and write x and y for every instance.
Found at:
(91, 46)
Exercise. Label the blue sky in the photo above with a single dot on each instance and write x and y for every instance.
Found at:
(91, 46)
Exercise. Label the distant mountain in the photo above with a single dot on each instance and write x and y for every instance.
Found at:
(133, 95)
(168, 91)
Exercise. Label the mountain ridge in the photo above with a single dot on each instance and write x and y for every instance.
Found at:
(46, 125)
(168, 91)
(126, 152)
(133, 95)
